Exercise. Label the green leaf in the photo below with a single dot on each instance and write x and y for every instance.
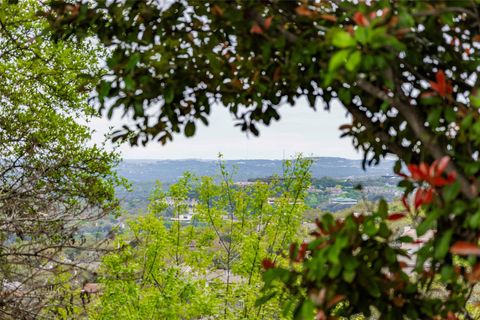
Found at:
(451, 191)
(443, 245)
(138, 109)
(373, 289)
(467, 121)
(350, 263)
(132, 62)
(349, 275)
(434, 117)
(104, 89)
(430, 100)
(338, 59)
(384, 106)
(427, 224)
(189, 129)
(475, 98)
(129, 83)
(370, 228)
(450, 115)
(369, 61)
(447, 272)
(264, 299)
(334, 271)
(405, 19)
(345, 95)
(353, 61)
(474, 220)
(343, 39)
(307, 311)
(379, 37)
(382, 208)
(362, 35)
(169, 94)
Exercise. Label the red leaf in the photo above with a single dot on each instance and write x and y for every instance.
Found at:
(441, 86)
(423, 196)
(452, 176)
(301, 252)
(405, 203)
(277, 74)
(293, 249)
(427, 94)
(403, 175)
(267, 23)
(474, 275)
(398, 301)
(320, 315)
(256, 29)
(428, 196)
(303, 11)
(396, 216)
(415, 171)
(346, 126)
(336, 299)
(418, 198)
(439, 182)
(440, 76)
(217, 11)
(424, 170)
(268, 264)
(464, 248)
(360, 19)
(328, 17)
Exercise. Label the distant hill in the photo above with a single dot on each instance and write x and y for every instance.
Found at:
(168, 171)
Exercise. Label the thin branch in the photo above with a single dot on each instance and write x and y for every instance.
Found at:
(413, 118)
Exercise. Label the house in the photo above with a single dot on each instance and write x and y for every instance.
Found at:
(345, 201)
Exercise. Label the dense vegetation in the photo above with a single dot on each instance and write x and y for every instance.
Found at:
(210, 266)
(53, 180)
(406, 72)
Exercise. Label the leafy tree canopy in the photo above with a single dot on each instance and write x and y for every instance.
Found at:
(407, 72)
(208, 267)
(53, 180)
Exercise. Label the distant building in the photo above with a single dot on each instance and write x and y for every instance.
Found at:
(183, 217)
(345, 201)
(272, 201)
(334, 190)
(244, 183)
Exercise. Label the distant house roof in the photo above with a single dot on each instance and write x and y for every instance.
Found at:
(91, 287)
(344, 200)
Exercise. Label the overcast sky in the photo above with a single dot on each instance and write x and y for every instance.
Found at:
(300, 129)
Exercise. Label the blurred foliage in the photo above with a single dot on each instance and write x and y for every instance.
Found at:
(407, 73)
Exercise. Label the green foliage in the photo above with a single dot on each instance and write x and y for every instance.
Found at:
(351, 267)
(406, 71)
(212, 265)
(53, 180)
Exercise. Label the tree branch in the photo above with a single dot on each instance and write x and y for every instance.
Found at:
(427, 138)
(400, 151)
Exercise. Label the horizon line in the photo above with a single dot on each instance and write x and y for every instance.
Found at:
(237, 159)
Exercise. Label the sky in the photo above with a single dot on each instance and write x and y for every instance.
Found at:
(300, 129)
